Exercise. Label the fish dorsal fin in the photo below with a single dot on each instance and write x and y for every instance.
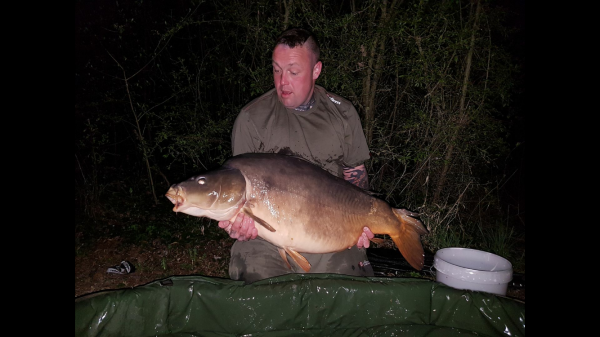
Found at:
(299, 259)
(286, 151)
(249, 213)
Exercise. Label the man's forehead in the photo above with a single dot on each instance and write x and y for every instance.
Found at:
(287, 56)
(286, 64)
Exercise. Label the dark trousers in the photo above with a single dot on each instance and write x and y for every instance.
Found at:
(258, 259)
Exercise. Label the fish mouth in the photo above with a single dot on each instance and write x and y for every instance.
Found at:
(174, 196)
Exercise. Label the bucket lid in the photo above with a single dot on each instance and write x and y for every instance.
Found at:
(473, 265)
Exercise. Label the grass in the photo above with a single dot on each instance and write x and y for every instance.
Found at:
(499, 240)
(193, 256)
(138, 220)
(497, 237)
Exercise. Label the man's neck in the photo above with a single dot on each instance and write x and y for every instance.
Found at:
(308, 105)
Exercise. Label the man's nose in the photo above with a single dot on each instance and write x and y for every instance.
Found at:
(284, 80)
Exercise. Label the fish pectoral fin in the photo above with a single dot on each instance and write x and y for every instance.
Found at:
(263, 223)
(284, 257)
(299, 259)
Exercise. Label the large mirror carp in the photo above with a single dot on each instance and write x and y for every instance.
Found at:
(299, 207)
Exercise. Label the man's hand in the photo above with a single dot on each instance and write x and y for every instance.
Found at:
(363, 240)
(242, 228)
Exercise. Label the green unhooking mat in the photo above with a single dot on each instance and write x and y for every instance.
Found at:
(297, 305)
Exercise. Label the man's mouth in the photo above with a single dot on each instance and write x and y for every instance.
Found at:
(285, 93)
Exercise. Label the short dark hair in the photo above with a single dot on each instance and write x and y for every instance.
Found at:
(295, 37)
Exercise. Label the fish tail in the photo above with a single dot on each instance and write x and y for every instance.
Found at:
(408, 237)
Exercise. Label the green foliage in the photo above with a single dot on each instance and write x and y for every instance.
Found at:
(498, 240)
(438, 147)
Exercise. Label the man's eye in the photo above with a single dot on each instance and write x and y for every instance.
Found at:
(293, 73)
(275, 70)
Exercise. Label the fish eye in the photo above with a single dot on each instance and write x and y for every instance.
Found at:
(201, 181)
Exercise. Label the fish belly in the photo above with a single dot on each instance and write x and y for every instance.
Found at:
(311, 210)
(294, 232)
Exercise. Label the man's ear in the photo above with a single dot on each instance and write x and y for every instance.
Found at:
(317, 70)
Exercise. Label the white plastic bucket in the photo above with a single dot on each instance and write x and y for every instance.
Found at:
(472, 269)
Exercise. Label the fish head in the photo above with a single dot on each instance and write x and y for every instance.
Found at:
(218, 194)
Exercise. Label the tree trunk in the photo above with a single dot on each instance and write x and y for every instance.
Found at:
(286, 15)
(138, 130)
(374, 65)
(463, 119)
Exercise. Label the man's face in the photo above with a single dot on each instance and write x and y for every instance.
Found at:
(294, 74)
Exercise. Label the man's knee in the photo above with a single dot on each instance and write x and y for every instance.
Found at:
(255, 260)
(352, 262)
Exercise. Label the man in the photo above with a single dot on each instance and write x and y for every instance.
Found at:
(304, 119)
